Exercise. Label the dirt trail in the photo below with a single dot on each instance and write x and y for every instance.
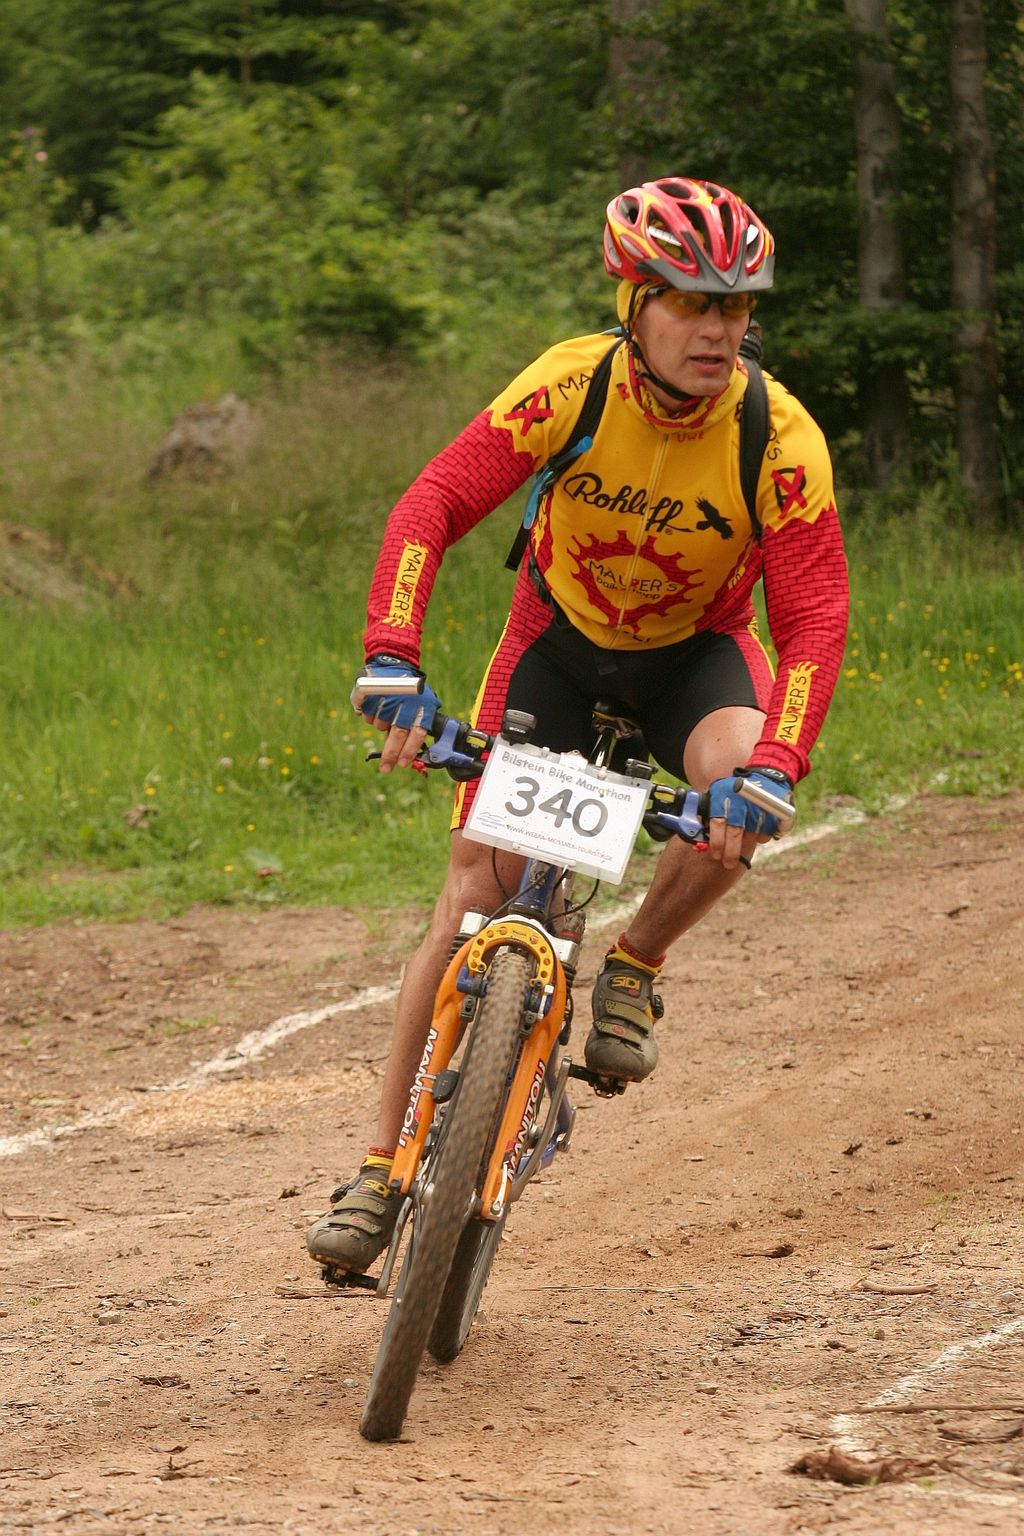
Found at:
(813, 1209)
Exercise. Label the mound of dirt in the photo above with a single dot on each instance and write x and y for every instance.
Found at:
(208, 437)
(38, 569)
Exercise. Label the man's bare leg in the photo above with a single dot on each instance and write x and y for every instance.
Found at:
(470, 885)
(621, 1045)
(687, 884)
(359, 1225)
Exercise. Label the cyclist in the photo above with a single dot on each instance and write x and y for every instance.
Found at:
(637, 585)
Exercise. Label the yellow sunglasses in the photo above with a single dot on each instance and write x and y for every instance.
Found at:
(686, 305)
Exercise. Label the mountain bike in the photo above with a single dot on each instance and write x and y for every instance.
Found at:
(489, 1105)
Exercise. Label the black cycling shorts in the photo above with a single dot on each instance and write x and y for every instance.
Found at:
(558, 675)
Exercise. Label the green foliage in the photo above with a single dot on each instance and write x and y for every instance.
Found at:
(98, 75)
(769, 110)
(485, 97)
(933, 682)
(421, 173)
(92, 77)
(252, 215)
(32, 242)
(255, 207)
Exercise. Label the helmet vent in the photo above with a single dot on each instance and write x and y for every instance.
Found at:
(611, 255)
(632, 248)
(664, 237)
(728, 225)
(698, 218)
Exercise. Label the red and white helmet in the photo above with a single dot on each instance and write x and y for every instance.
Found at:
(688, 234)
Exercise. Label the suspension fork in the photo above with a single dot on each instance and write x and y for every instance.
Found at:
(464, 978)
(520, 1148)
(501, 1182)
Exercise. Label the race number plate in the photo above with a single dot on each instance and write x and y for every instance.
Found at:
(557, 807)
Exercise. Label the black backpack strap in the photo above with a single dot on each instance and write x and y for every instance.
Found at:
(754, 424)
(580, 439)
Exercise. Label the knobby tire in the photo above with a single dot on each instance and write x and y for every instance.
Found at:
(471, 1267)
(450, 1187)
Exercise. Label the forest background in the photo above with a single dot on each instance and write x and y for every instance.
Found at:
(363, 218)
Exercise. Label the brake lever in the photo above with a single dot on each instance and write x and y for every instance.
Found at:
(689, 822)
(443, 753)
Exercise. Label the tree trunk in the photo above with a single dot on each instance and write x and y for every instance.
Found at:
(974, 262)
(634, 70)
(244, 53)
(880, 272)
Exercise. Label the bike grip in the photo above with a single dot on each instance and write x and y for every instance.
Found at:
(366, 686)
(784, 810)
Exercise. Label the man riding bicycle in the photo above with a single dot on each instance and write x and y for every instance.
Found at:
(636, 585)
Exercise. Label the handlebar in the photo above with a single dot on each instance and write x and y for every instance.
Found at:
(459, 747)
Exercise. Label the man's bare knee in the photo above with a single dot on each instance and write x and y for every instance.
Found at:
(476, 880)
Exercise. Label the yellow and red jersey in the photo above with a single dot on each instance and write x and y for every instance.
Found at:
(645, 539)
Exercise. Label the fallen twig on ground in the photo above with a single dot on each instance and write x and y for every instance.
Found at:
(895, 1290)
(638, 1290)
(295, 1293)
(9, 1214)
(943, 1407)
(838, 1466)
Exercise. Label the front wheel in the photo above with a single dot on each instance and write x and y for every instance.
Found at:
(446, 1202)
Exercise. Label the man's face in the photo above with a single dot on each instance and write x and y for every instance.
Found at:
(695, 353)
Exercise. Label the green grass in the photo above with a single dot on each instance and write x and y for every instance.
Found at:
(931, 697)
(192, 741)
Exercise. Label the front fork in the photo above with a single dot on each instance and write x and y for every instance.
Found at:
(516, 1151)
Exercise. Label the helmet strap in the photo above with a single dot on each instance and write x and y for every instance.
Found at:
(646, 372)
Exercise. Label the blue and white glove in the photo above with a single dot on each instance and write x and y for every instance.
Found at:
(405, 711)
(725, 802)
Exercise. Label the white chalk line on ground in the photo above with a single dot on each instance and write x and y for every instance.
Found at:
(844, 1425)
(258, 1042)
(251, 1046)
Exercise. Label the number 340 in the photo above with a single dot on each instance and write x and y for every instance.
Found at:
(587, 815)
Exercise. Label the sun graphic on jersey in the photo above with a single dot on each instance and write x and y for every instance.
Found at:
(602, 570)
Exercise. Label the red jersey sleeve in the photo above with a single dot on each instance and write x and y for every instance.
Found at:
(479, 470)
(807, 597)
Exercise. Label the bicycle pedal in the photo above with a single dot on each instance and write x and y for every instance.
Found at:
(604, 1087)
(608, 1087)
(347, 1279)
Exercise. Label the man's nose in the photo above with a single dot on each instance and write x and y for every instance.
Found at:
(713, 320)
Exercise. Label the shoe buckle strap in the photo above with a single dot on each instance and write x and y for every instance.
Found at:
(635, 1028)
(361, 1200)
(361, 1221)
